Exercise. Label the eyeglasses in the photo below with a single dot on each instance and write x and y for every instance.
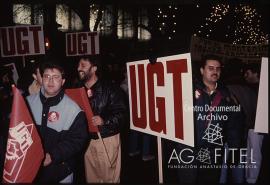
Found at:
(47, 77)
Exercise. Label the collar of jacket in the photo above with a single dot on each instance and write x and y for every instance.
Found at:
(96, 87)
(200, 85)
(51, 101)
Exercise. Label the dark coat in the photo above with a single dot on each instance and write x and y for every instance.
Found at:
(230, 129)
(107, 101)
(64, 147)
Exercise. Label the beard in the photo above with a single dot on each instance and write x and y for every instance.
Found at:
(84, 76)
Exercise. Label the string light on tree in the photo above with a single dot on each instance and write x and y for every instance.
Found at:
(248, 26)
(246, 29)
(167, 17)
(216, 15)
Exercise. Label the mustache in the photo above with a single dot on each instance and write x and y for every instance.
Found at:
(81, 72)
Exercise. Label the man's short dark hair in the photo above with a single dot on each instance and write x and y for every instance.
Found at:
(52, 63)
(210, 57)
(93, 59)
(253, 67)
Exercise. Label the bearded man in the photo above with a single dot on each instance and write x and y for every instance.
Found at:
(102, 162)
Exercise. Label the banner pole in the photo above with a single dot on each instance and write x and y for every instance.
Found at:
(104, 146)
(23, 60)
(160, 169)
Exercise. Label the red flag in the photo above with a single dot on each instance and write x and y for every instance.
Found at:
(24, 149)
(80, 97)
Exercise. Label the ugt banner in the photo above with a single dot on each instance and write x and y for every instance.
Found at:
(22, 40)
(24, 149)
(160, 97)
(82, 43)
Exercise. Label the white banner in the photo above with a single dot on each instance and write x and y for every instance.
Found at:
(159, 95)
(15, 76)
(22, 40)
(82, 43)
(262, 117)
(247, 53)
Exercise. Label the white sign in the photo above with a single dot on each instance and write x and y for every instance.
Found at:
(159, 94)
(262, 117)
(22, 40)
(82, 43)
(14, 71)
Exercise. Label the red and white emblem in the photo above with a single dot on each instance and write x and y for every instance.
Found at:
(19, 142)
(53, 116)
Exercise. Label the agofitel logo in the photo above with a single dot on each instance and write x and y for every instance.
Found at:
(206, 156)
(212, 134)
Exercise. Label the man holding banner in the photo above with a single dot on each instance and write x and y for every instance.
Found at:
(61, 124)
(103, 156)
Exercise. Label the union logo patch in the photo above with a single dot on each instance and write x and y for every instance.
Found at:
(53, 116)
(19, 141)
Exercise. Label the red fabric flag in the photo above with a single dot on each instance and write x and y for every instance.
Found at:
(80, 97)
(24, 149)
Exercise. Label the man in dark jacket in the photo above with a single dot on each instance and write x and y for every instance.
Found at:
(61, 125)
(103, 156)
(214, 115)
(254, 139)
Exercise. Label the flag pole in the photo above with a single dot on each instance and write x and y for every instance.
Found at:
(23, 60)
(104, 146)
(160, 169)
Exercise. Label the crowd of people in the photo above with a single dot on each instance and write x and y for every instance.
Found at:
(72, 154)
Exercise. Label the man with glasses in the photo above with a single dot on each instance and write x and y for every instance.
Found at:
(61, 125)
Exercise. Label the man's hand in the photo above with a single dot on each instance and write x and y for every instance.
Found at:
(47, 160)
(97, 120)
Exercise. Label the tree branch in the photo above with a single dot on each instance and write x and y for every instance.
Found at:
(99, 17)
